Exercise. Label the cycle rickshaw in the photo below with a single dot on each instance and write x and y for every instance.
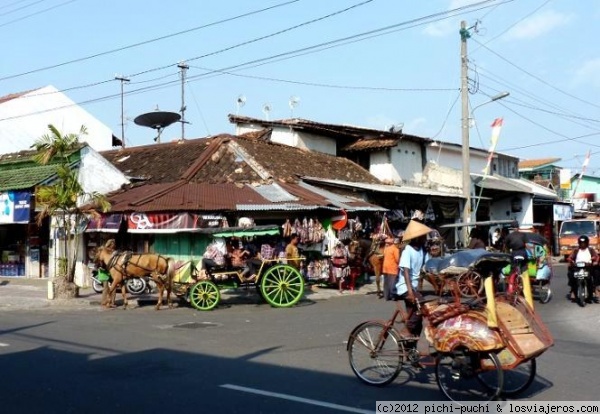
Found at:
(279, 284)
(480, 348)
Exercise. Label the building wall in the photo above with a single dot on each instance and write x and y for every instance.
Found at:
(500, 209)
(407, 159)
(452, 157)
(42, 107)
(382, 168)
(586, 186)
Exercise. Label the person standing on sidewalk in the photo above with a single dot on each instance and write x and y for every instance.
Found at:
(375, 259)
(391, 258)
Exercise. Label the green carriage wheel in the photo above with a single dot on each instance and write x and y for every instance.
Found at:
(282, 286)
(204, 295)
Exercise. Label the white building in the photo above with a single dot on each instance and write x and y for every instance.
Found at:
(25, 116)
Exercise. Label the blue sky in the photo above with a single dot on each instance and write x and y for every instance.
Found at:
(541, 51)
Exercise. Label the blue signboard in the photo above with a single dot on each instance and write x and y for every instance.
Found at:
(15, 207)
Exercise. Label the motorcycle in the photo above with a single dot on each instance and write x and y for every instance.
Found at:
(134, 285)
(582, 276)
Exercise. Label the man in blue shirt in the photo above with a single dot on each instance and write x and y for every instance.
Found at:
(410, 265)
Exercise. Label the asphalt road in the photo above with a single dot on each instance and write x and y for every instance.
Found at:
(245, 358)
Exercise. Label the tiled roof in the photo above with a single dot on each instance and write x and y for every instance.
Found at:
(371, 144)
(536, 163)
(22, 178)
(223, 163)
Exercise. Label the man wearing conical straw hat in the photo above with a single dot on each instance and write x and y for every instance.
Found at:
(410, 266)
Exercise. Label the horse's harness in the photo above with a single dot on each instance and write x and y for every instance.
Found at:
(120, 260)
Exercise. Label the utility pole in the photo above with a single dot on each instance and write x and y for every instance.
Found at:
(183, 67)
(464, 93)
(122, 79)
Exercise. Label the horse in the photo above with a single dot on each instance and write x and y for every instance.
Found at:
(122, 265)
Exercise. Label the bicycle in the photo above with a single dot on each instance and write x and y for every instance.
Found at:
(470, 371)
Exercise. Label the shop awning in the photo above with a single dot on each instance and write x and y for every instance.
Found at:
(513, 185)
(153, 223)
(268, 230)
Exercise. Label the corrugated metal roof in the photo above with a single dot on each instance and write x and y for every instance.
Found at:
(383, 188)
(514, 185)
(274, 193)
(537, 163)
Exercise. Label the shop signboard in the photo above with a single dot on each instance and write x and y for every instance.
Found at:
(15, 207)
(170, 222)
(562, 212)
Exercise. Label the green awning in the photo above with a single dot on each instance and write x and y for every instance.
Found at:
(247, 233)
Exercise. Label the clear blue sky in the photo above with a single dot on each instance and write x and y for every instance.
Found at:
(541, 51)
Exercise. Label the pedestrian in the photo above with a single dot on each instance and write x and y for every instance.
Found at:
(339, 264)
(391, 258)
(411, 262)
(375, 259)
(476, 241)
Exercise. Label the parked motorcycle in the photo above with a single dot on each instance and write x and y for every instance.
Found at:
(134, 285)
(583, 281)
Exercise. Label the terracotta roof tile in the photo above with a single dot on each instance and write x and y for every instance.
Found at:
(371, 144)
(12, 96)
(539, 162)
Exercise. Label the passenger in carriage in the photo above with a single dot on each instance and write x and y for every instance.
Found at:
(215, 254)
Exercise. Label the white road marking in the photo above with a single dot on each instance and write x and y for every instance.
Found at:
(297, 399)
(3, 344)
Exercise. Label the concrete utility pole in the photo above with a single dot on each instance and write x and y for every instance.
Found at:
(122, 79)
(464, 93)
(183, 67)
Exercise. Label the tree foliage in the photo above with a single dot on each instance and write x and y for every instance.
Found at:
(63, 199)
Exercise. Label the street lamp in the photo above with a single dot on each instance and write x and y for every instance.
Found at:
(466, 218)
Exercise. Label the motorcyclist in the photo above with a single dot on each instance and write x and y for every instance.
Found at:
(583, 253)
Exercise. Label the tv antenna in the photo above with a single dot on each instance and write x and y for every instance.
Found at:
(158, 120)
(396, 128)
(266, 110)
(240, 102)
(293, 103)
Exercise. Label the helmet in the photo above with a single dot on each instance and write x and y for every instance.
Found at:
(583, 240)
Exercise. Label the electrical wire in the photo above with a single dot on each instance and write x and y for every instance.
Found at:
(22, 7)
(536, 77)
(348, 39)
(4, 6)
(145, 42)
(37, 13)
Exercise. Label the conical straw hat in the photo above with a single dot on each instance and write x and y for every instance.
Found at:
(414, 230)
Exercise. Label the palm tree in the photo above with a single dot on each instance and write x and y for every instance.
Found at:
(63, 201)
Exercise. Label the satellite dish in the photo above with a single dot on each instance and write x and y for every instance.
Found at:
(293, 102)
(158, 120)
(266, 110)
(241, 101)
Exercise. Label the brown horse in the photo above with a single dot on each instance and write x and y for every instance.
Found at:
(123, 265)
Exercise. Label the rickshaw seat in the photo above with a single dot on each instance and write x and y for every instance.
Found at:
(519, 330)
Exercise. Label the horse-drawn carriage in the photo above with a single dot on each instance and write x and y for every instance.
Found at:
(280, 284)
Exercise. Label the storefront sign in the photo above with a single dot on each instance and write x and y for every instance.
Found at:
(563, 212)
(108, 223)
(15, 207)
(170, 222)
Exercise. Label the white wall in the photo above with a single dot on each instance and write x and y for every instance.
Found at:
(317, 143)
(97, 174)
(42, 107)
(452, 157)
(382, 168)
(500, 207)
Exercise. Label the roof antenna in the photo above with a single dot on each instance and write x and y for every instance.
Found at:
(241, 101)
(293, 102)
(266, 110)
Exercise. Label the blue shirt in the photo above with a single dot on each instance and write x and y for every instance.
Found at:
(411, 259)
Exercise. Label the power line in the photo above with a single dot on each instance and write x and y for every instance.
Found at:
(37, 13)
(310, 49)
(12, 4)
(536, 77)
(22, 7)
(156, 39)
(323, 85)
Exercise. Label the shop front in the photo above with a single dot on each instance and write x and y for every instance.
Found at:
(23, 243)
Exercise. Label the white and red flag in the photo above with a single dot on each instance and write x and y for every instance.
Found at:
(496, 128)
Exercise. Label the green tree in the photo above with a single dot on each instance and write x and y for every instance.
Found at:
(66, 202)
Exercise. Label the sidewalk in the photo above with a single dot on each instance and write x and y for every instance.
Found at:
(18, 293)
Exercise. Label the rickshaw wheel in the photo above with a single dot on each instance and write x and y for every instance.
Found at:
(204, 295)
(282, 286)
(544, 292)
(519, 379)
(470, 284)
(461, 376)
(375, 363)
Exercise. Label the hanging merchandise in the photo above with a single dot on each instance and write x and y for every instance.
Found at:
(358, 226)
(318, 231)
(304, 231)
(329, 242)
(287, 228)
(369, 226)
(429, 213)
